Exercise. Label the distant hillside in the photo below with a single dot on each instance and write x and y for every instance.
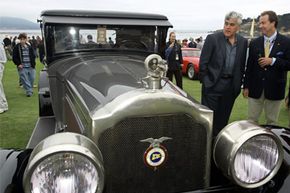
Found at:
(7, 23)
(283, 25)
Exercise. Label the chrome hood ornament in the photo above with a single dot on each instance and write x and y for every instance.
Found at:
(155, 142)
(156, 71)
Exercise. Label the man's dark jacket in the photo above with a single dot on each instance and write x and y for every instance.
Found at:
(272, 79)
(213, 59)
(17, 55)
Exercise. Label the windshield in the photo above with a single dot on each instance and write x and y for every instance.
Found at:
(76, 38)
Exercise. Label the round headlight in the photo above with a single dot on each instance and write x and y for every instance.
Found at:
(248, 154)
(65, 173)
(255, 159)
(64, 163)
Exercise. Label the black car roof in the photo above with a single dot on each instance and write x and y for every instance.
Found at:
(103, 17)
(102, 14)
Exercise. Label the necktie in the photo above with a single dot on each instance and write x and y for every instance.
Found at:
(267, 48)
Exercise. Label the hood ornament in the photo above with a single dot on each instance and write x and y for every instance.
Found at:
(156, 70)
(155, 142)
(156, 154)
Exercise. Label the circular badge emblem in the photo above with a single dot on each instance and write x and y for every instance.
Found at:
(155, 156)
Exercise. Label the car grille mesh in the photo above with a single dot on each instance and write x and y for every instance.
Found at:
(125, 171)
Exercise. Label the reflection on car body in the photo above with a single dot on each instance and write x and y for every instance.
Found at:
(110, 121)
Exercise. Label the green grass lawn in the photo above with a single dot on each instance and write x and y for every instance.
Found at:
(17, 124)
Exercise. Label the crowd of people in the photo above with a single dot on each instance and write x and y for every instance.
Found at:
(36, 43)
(197, 43)
(225, 68)
(23, 51)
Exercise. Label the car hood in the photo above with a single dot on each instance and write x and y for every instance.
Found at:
(100, 79)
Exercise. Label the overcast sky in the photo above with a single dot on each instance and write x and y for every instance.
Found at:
(183, 14)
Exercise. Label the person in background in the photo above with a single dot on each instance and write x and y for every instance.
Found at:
(199, 43)
(40, 47)
(111, 42)
(266, 74)
(174, 59)
(3, 60)
(28, 40)
(221, 69)
(90, 39)
(34, 45)
(8, 47)
(184, 43)
(191, 44)
(24, 59)
(14, 42)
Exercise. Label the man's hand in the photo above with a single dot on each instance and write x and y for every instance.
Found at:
(20, 66)
(263, 62)
(246, 93)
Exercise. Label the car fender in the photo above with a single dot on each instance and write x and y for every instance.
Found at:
(12, 166)
(281, 182)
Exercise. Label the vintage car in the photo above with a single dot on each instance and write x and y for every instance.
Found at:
(111, 122)
(190, 66)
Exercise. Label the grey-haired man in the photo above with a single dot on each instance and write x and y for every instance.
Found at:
(222, 65)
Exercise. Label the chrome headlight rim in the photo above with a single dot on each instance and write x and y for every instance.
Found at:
(247, 130)
(86, 149)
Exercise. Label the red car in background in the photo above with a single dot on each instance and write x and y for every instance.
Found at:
(190, 62)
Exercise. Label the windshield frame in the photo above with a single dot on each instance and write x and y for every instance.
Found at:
(48, 30)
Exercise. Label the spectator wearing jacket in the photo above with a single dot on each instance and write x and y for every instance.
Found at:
(24, 59)
(266, 74)
(221, 70)
(191, 44)
(174, 59)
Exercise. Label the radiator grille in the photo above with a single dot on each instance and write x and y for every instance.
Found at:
(123, 152)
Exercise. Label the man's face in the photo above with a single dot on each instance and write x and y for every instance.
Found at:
(266, 27)
(172, 37)
(23, 41)
(231, 27)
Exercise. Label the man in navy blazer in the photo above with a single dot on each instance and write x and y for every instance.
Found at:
(266, 74)
(222, 65)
